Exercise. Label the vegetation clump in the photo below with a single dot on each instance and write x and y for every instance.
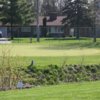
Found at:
(49, 75)
(54, 74)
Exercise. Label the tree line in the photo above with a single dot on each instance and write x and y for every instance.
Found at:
(78, 13)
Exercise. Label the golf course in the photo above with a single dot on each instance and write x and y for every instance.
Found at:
(56, 52)
(53, 51)
(49, 49)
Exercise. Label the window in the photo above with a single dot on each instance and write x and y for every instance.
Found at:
(26, 29)
(52, 29)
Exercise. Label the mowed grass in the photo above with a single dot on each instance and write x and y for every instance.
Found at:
(53, 51)
(72, 91)
(29, 50)
(42, 62)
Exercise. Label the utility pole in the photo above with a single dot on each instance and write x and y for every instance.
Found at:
(37, 18)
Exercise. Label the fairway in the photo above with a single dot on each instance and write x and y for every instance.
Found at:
(72, 91)
(39, 50)
(50, 51)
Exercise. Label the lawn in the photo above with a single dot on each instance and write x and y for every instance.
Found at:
(29, 50)
(70, 91)
(53, 51)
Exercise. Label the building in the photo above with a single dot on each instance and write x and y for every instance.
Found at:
(53, 27)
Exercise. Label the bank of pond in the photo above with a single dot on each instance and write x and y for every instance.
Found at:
(12, 78)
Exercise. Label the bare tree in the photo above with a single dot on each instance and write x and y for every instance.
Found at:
(9, 75)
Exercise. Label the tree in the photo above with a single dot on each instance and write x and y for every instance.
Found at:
(16, 12)
(77, 14)
(37, 19)
(49, 6)
(3, 10)
(60, 6)
(93, 15)
(26, 12)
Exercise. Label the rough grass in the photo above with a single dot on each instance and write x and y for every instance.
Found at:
(72, 91)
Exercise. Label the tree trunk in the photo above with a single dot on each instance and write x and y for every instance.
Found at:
(77, 33)
(12, 37)
(38, 30)
(94, 35)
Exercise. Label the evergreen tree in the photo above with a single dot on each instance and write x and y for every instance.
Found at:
(3, 11)
(77, 14)
(26, 12)
(16, 12)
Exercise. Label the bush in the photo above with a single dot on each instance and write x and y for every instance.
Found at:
(54, 74)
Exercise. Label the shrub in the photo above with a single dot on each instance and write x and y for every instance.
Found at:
(54, 74)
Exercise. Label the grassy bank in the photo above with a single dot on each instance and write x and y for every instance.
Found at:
(75, 91)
